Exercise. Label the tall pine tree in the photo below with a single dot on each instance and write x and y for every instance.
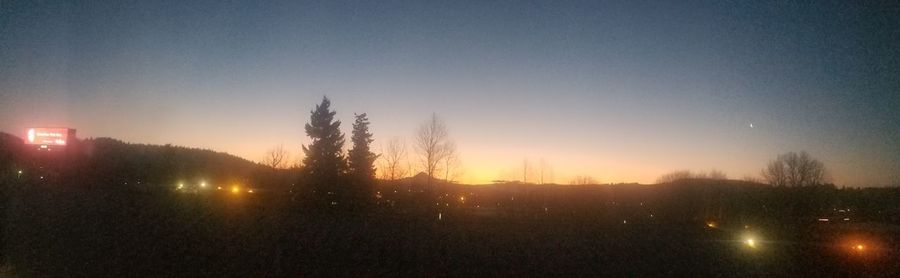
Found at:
(324, 161)
(362, 160)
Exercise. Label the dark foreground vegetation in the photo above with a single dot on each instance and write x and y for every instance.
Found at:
(58, 231)
(122, 210)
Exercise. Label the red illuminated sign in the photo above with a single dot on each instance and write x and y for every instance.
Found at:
(47, 136)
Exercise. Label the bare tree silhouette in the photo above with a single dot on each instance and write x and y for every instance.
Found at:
(543, 165)
(525, 170)
(749, 178)
(717, 174)
(583, 180)
(676, 175)
(793, 169)
(392, 159)
(297, 162)
(276, 157)
(713, 174)
(451, 161)
(432, 140)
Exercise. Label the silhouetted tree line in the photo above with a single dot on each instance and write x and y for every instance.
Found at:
(687, 174)
(682, 201)
(331, 178)
(795, 169)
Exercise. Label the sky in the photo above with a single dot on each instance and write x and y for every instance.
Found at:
(619, 91)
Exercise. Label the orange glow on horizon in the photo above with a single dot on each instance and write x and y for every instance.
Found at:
(480, 164)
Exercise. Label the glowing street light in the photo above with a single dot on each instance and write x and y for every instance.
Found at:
(859, 245)
(750, 242)
(235, 190)
(203, 184)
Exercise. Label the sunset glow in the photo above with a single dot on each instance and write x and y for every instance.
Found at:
(464, 138)
(612, 109)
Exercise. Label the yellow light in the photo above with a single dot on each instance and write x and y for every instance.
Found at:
(219, 188)
(711, 224)
(859, 247)
(203, 184)
(750, 242)
(250, 191)
(235, 190)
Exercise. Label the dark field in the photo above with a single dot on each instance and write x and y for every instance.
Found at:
(60, 232)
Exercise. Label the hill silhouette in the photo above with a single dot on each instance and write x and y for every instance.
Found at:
(107, 161)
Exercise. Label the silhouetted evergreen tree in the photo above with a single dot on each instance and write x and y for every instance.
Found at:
(362, 160)
(324, 161)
